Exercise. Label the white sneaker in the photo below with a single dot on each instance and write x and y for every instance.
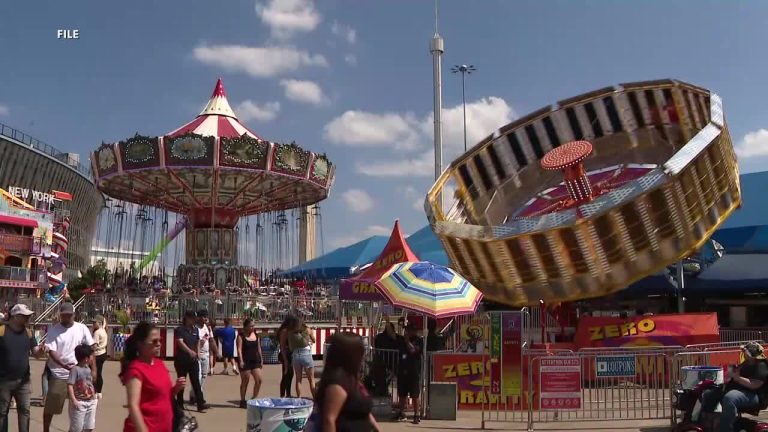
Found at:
(98, 395)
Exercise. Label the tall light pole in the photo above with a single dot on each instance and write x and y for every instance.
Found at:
(465, 70)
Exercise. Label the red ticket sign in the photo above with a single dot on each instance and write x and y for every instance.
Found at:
(560, 383)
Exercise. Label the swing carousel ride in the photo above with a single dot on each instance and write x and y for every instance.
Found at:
(209, 173)
(581, 199)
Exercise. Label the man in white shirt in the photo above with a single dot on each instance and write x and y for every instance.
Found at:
(61, 341)
(206, 343)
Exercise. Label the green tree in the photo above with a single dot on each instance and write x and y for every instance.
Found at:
(93, 275)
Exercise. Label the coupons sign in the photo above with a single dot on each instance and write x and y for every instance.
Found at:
(560, 381)
(615, 367)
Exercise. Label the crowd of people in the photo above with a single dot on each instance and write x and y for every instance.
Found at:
(76, 354)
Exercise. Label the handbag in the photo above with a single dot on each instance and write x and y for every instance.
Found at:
(187, 424)
(181, 421)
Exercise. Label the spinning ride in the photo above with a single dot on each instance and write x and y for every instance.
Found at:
(213, 171)
(583, 198)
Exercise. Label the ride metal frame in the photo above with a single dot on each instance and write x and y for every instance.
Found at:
(602, 246)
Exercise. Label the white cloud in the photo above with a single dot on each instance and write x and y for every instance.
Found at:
(368, 129)
(261, 62)
(374, 230)
(483, 117)
(412, 194)
(419, 166)
(350, 59)
(4, 110)
(357, 200)
(409, 191)
(249, 110)
(286, 18)
(753, 144)
(371, 230)
(344, 31)
(364, 129)
(303, 91)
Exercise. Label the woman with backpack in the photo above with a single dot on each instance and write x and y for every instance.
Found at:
(300, 340)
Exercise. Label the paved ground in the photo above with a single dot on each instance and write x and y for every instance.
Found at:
(222, 393)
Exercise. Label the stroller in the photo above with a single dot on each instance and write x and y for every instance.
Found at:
(687, 401)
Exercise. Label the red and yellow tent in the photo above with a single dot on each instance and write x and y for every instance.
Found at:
(361, 287)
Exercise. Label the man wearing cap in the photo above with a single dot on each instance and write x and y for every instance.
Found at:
(186, 359)
(744, 388)
(61, 342)
(16, 343)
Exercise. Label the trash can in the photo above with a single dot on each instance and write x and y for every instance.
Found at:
(278, 414)
(118, 345)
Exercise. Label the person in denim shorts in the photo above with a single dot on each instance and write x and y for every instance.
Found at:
(300, 342)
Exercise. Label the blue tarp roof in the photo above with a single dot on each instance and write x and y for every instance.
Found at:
(754, 208)
(337, 263)
(658, 284)
(734, 274)
(743, 240)
(425, 244)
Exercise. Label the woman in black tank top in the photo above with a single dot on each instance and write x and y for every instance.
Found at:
(249, 352)
(343, 403)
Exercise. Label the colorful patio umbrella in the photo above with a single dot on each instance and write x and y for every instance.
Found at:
(429, 288)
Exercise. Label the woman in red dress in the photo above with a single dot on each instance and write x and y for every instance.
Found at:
(147, 382)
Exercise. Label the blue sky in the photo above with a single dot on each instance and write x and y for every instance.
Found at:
(353, 78)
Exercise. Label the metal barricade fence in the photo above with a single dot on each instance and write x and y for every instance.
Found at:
(354, 313)
(636, 390)
(740, 334)
(170, 309)
(720, 346)
(512, 408)
(624, 383)
(379, 372)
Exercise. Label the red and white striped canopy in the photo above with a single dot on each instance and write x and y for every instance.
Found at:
(217, 119)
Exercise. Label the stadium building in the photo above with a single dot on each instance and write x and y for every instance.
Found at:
(37, 175)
